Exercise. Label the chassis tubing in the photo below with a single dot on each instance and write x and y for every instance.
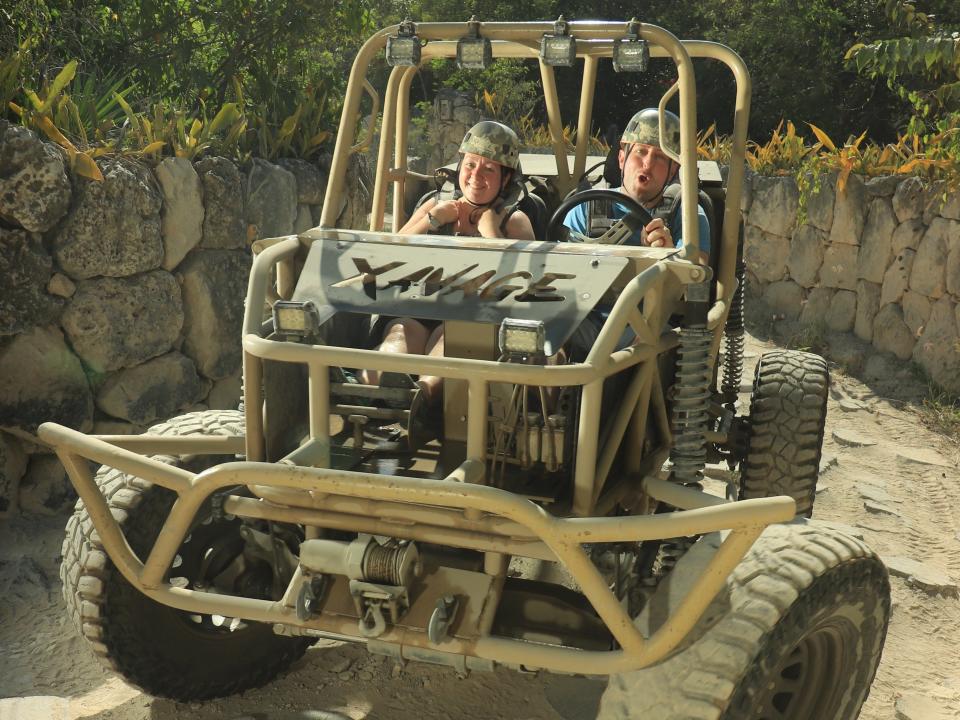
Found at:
(562, 535)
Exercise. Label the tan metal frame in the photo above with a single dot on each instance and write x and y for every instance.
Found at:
(461, 510)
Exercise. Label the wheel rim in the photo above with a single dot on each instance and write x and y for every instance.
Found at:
(806, 683)
(192, 569)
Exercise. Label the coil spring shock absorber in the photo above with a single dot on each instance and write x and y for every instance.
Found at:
(691, 395)
(733, 338)
(692, 389)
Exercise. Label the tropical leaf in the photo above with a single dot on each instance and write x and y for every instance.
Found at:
(52, 132)
(63, 78)
(155, 146)
(226, 116)
(85, 166)
(823, 138)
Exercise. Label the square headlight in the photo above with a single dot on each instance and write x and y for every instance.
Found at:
(558, 50)
(474, 53)
(522, 338)
(630, 55)
(296, 319)
(403, 50)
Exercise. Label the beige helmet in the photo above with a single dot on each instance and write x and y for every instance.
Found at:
(493, 141)
(644, 128)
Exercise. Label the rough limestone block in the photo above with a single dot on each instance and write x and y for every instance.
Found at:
(41, 380)
(113, 227)
(119, 322)
(775, 204)
(875, 244)
(225, 393)
(304, 219)
(311, 182)
(784, 298)
(214, 287)
(806, 255)
(843, 311)
(951, 208)
(934, 201)
(182, 215)
(868, 303)
(896, 279)
(356, 204)
(223, 217)
(46, 488)
(849, 213)
(271, 199)
(25, 269)
(937, 347)
(839, 269)
(909, 199)
(35, 190)
(928, 275)
(155, 390)
(891, 334)
(820, 204)
(816, 306)
(916, 311)
(766, 255)
(883, 186)
(907, 235)
(953, 257)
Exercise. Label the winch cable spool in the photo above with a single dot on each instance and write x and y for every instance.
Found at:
(364, 559)
(385, 564)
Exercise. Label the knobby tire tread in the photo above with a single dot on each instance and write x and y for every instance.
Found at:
(90, 579)
(788, 410)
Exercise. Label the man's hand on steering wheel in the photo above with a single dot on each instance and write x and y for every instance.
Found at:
(657, 234)
(636, 218)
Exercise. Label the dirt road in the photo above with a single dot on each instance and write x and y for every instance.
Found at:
(884, 477)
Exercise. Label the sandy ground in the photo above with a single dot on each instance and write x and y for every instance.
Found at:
(876, 452)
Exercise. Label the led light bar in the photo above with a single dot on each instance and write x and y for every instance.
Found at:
(523, 338)
(403, 49)
(296, 319)
(631, 54)
(560, 48)
(474, 52)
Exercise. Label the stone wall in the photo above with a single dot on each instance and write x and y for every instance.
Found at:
(880, 259)
(121, 301)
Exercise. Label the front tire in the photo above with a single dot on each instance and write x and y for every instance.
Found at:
(795, 635)
(167, 652)
(788, 414)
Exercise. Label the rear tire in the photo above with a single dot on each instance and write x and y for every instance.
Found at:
(796, 634)
(166, 652)
(788, 413)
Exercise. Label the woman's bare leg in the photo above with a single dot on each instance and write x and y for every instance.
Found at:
(403, 335)
(431, 384)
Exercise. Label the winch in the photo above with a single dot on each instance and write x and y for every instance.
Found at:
(380, 576)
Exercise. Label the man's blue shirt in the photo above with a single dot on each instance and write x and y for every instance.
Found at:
(576, 220)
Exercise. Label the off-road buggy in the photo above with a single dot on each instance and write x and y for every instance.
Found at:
(560, 522)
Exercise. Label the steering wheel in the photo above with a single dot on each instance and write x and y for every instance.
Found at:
(637, 215)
